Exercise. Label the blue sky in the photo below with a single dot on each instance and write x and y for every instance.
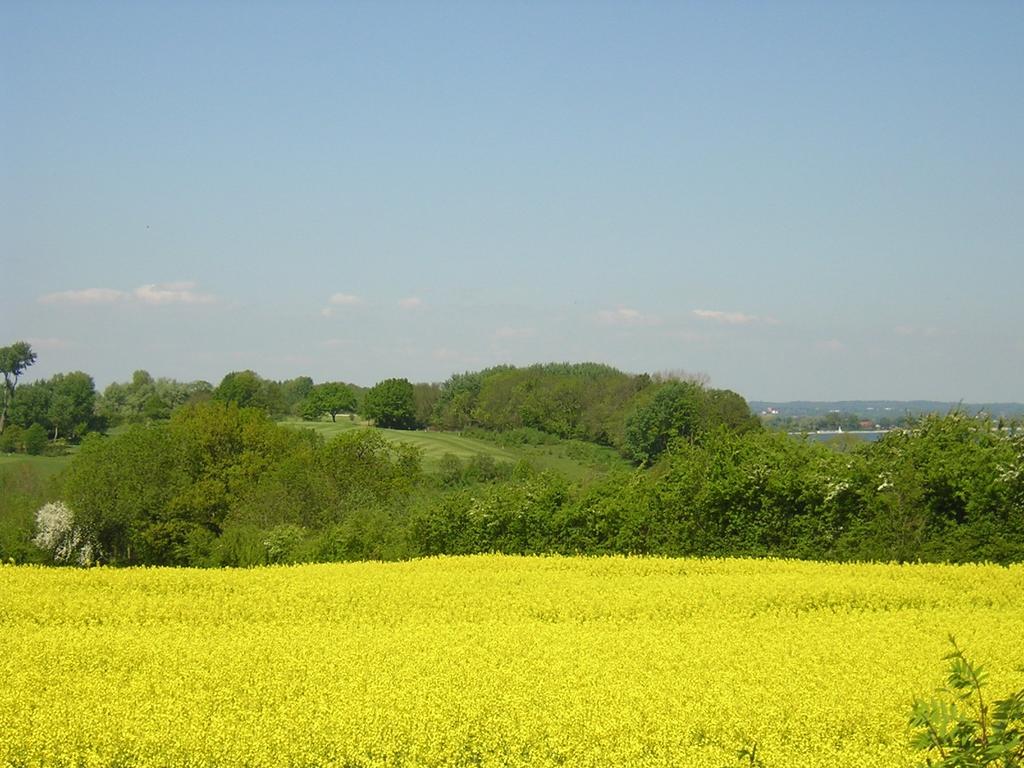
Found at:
(801, 200)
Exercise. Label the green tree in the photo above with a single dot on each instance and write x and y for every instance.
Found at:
(332, 398)
(13, 362)
(72, 403)
(425, 396)
(391, 404)
(34, 439)
(294, 392)
(241, 388)
(32, 405)
(678, 409)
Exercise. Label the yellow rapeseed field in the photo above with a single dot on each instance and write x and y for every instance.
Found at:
(491, 661)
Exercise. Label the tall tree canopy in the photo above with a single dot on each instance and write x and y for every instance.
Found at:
(391, 403)
(332, 397)
(13, 362)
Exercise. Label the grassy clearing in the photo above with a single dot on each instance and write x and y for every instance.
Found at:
(566, 458)
(48, 466)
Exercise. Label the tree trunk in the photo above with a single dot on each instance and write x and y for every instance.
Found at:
(3, 411)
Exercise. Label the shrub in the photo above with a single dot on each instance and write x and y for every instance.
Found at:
(11, 439)
(964, 730)
(58, 535)
(34, 440)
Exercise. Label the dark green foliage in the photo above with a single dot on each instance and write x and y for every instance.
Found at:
(677, 410)
(32, 405)
(512, 517)
(961, 728)
(11, 439)
(425, 399)
(218, 484)
(589, 402)
(766, 494)
(391, 404)
(34, 440)
(585, 400)
(72, 404)
(64, 405)
(241, 388)
(294, 392)
(948, 488)
(192, 491)
(14, 359)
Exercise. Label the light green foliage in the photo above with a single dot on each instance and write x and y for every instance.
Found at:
(145, 398)
(456, 401)
(961, 728)
(26, 484)
(331, 397)
(391, 404)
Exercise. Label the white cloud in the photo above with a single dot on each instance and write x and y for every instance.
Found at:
(345, 300)
(412, 302)
(84, 296)
(335, 343)
(718, 316)
(172, 293)
(832, 345)
(624, 316)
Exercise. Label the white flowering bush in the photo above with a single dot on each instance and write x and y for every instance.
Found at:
(57, 533)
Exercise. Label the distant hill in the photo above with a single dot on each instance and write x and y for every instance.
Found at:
(891, 408)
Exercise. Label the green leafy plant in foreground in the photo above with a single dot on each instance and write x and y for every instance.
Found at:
(960, 729)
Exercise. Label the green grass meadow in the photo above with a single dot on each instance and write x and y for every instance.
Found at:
(47, 466)
(575, 461)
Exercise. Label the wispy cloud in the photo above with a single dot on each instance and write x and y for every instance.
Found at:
(150, 293)
(831, 345)
(172, 293)
(345, 300)
(731, 318)
(916, 330)
(412, 302)
(49, 343)
(507, 332)
(84, 296)
(336, 343)
(446, 354)
(340, 300)
(624, 316)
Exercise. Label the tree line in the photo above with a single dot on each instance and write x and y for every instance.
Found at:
(219, 485)
(634, 413)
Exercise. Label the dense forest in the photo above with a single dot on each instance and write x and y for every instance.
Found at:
(170, 473)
